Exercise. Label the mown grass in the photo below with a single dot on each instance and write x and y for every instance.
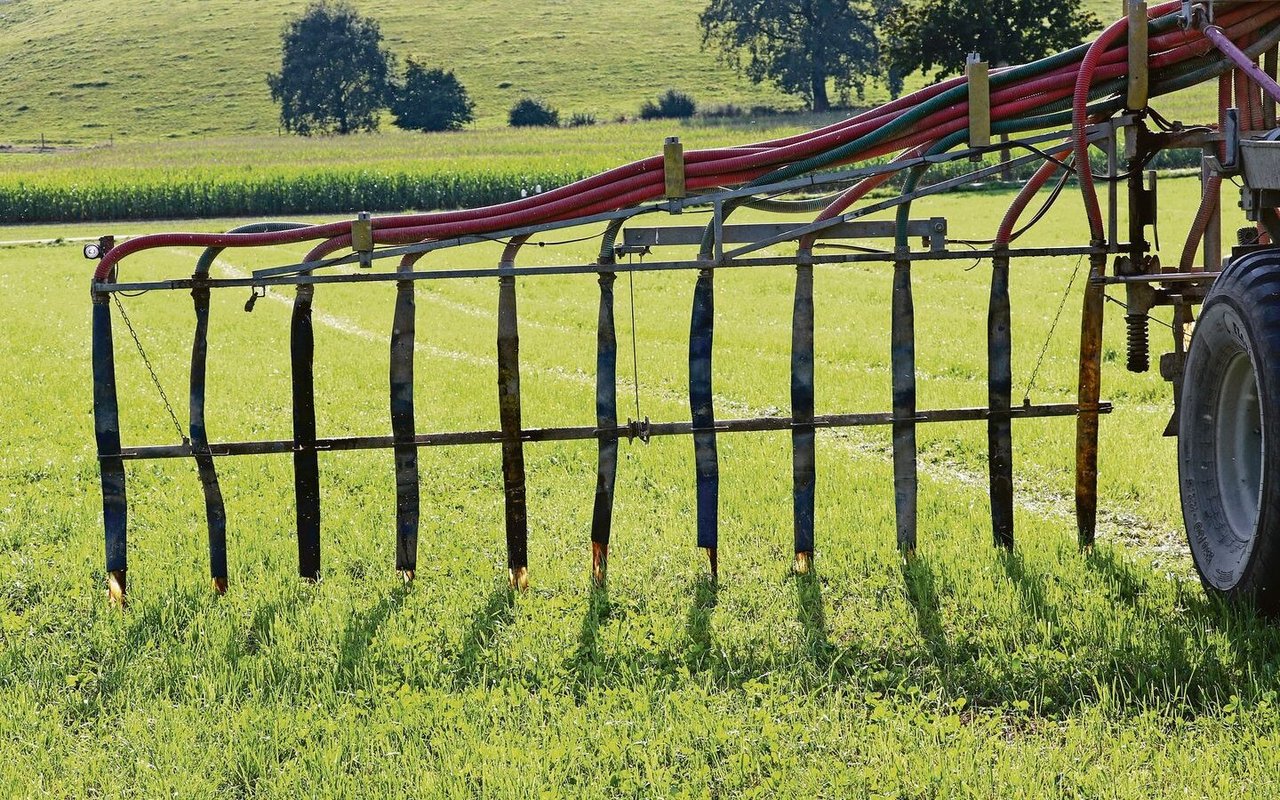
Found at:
(967, 672)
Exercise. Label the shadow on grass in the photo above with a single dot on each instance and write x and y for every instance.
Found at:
(151, 626)
(1050, 635)
(469, 669)
(1030, 586)
(359, 633)
(921, 584)
(587, 662)
(706, 594)
(812, 616)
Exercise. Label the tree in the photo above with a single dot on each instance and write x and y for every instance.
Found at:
(430, 100)
(799, 45)
(531, 112)
(670, 105)
(334, 71)
(923, 35)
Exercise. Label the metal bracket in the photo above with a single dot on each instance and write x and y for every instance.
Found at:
(1136, 98)
(362, 239)
(638, 429)
(254, 293)
(673, 169)
(978, 77)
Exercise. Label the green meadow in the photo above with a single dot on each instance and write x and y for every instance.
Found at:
(966, 672)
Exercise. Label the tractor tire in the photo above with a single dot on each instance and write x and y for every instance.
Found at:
(1229, 435)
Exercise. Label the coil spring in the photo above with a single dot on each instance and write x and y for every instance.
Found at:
(1139, 340)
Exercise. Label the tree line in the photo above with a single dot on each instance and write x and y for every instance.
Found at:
(336, 75)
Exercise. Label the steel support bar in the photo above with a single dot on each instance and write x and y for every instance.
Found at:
(966, 256)
(702, 411)
(691, 235)
(403, 430)
(803, 451)
(606, 419)
(306, 464)
(977, 76)
(106, 428)
(513, 475)
(533, 435)
(903, 363)
(999, 399)
(215, 508)
(1137, 90)
(1203, 278)
(1212, 245)
(1089, 391)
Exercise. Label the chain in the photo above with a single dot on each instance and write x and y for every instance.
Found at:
(1031, 384)
(155, 379)
(635, 361)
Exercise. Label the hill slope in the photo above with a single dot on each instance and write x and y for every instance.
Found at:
(86, 70)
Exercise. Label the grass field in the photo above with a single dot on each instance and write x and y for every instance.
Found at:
(1049, 672)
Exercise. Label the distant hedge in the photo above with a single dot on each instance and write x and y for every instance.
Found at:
(323, 192)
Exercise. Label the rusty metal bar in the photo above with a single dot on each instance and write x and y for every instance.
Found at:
(1091, 320)
(215, 508)
(306, 464)
(903, 362)
(803, 452)
(1203, 277)
(999, 399)
(106, 428)
(702, 411)
(490, 437)
(606, 418)
(513, 474)
(403, 430)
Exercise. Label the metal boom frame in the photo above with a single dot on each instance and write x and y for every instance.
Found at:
(703, 425)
